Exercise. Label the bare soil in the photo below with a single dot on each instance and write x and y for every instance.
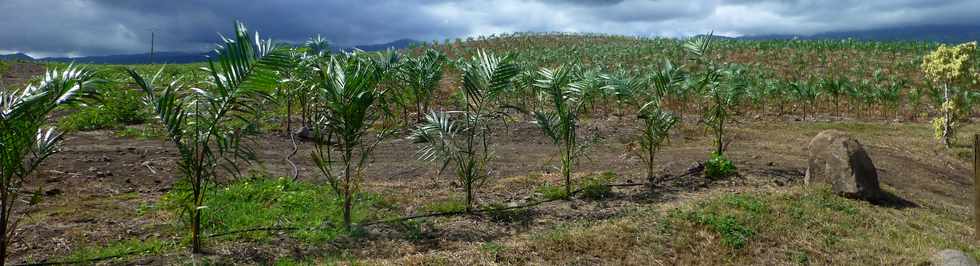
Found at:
(96, 186)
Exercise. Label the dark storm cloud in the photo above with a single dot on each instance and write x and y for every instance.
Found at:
(86, 27)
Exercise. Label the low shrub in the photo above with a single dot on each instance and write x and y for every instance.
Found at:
(117, 107)
(719, 167)
(596, 187)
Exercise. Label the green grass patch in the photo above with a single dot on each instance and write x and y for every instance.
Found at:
(552, 192)
(448, 205)
(116, 108)
(263, 202)
(731, 216)
(118, 251)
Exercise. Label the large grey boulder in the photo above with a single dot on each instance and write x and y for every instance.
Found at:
(952, 257)
(839, 160)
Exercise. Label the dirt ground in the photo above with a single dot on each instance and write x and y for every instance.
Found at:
(97, 186)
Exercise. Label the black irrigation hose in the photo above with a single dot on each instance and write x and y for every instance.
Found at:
(388, 221)
(289, 158)
(74, 262)
(259, 229)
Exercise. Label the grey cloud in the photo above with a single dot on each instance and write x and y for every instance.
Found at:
(88, 27)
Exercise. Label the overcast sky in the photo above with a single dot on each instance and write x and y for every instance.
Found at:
(95, 27)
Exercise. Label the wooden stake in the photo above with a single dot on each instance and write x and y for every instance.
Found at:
(976, 186)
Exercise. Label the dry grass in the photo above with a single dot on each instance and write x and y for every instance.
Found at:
(792, 226)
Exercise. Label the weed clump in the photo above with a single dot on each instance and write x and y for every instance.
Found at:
(597, 187)
(719, 167)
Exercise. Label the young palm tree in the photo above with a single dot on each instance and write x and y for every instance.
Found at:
(562, 91)
(422, 75)
(654, 130)
(345, 110)
(465, 142)
(722, 87)
(199, 120)
(24, 143)
(835, 88)
(805, 94)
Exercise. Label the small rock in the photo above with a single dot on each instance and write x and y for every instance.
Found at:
(952, 257)
(304, 133)
(106, 159)
(93, 169)
(771, 164)
(696, 167)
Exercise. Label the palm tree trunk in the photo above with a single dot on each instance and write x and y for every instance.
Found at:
(4, 218)
(196, 231)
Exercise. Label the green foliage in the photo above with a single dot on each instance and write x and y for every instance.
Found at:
(119, 249)
(421, 75)
(466, 142)
(344, 111)
(950, 67)
(452, 205)
(655, 125)
(118, 107)
(723, 87)
(207, 125)
(731, 216)
(719, 167)
(596, 187)
(552, 192)
(950, 64)
(313, 211)
(25, 143)
(412, 229)
(562, 90)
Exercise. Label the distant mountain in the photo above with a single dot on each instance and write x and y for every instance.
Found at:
(14, 57)
(158, 58)
(179, 57)
(935, 33)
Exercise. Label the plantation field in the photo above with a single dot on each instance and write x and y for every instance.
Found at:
(107, 195)
(559, 153)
